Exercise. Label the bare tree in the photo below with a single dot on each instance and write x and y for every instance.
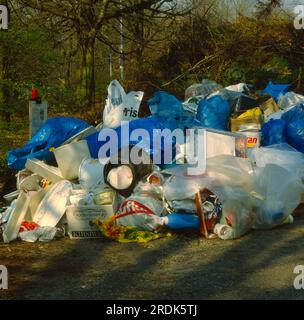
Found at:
(87, 18)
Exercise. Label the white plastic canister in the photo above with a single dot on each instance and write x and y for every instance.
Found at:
(69, 158)
(253, 135)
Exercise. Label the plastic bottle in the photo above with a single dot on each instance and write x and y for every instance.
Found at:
(182, 222)
(224, 232)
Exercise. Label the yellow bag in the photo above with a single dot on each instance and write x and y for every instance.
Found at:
(127, 234)
(253, 113)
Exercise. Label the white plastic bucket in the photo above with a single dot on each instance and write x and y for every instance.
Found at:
(91, 174)
(69, 158)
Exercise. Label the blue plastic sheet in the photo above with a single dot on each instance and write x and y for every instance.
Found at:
(150, 127)
(214, 113)
(52, 134)
(275, 90)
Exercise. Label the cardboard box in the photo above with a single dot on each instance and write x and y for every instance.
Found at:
(269, 107)
(80, 219)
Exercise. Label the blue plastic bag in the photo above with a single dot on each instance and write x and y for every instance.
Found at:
(214, 113)
(275, 90)
(295, 114)
(295, 135)
(52, 134)
(274, 132)
(165, 105)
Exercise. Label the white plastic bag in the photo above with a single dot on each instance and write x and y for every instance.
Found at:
(143, 210)
(120, 106)
(43, 234)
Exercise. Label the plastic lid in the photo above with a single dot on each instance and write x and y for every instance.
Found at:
(120, 178)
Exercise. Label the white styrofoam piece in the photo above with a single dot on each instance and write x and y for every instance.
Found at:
(50, 173)
(11, 196)
(35, 199)
(17, 216)
(53, 206)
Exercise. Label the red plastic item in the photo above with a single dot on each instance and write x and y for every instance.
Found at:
(28, 226)
(35, 94)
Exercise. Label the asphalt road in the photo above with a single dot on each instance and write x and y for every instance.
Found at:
(258, 266)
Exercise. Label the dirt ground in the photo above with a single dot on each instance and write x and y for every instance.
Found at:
(258, 266)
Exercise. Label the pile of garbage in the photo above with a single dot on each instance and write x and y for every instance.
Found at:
(243, 171)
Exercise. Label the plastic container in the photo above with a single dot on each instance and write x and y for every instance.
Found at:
(224, 232)
(253, 134)
(104, 197)
(91, 174)
(69, 158)
(182, 222)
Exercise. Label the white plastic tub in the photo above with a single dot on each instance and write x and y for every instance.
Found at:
(91, 174)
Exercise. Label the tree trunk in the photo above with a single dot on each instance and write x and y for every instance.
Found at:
(88, 71)
(91, 74)
(5, 90)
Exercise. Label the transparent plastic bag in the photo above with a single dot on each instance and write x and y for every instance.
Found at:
(281, 190)
(289, 100)
(283, 155)
(238, 211)
(231, 171)
(204, 89)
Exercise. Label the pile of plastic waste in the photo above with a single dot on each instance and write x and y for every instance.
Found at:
(221, 163)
